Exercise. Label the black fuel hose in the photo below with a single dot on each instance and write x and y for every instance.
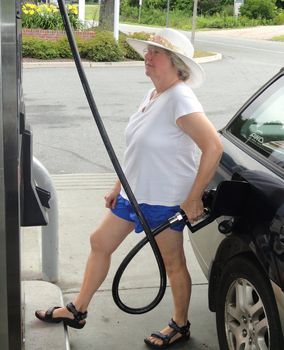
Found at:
(125, 263)
(118, 169)
(180, 216)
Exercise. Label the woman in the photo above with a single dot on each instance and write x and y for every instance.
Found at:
(159, 165)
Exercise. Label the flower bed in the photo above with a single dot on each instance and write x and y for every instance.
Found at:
(48, 16)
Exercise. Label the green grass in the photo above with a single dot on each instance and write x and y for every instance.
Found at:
(92, 12)
(200, 53)
(278, 38)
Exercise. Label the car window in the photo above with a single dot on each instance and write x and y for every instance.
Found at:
(261, 125)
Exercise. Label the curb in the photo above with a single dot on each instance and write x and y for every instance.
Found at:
(41, 294)
(71, 64)
(212, 58)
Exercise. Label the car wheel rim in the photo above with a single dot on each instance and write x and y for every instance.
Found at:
(246, 323)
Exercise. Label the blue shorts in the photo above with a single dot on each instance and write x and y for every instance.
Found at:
(154, 214)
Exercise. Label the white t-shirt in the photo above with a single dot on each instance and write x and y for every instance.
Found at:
(159, 160)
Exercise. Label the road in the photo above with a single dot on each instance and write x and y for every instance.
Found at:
(65, 137)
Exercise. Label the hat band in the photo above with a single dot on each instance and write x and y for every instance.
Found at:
(164, 42)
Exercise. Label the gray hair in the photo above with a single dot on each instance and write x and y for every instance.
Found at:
(183, 69)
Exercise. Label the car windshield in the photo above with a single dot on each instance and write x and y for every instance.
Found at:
(261, 124)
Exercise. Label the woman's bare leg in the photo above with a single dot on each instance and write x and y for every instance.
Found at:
(171, 246)
(104, 241)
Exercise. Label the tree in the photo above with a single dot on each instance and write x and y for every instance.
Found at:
(210, 7)
(106, 20)
(280, 3)
(258, 9)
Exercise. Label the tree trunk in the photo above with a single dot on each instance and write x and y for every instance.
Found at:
(107, 15)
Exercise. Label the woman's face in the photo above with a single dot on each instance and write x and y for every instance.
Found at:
(158, 62)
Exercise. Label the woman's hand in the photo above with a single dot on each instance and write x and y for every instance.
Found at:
(111, 197)
(193, 209)
(202, 132)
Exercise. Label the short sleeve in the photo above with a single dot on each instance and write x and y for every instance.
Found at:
(186, 102)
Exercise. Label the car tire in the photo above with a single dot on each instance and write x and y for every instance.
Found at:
(246, 311)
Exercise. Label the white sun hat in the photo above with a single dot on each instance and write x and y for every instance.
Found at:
(177, 43)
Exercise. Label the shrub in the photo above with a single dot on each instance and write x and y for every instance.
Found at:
(154, 17)
(223, 21)
(258, 9)
(38, 48)
(63, 48)
(177, 19)
(279, 18)
(181, 5)
(181, 20)
(45, 49)
(103, 48)
(128, 12)
(128, 52)
(210, 7)
(205, 7)
(216, 21)
(155, 4)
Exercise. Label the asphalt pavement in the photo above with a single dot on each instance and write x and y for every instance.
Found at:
(81, 207)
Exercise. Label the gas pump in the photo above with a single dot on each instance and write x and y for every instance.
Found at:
(22, 203)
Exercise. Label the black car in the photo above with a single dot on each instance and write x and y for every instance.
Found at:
(242, 251)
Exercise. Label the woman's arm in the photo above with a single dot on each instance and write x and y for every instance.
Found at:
(203, 133)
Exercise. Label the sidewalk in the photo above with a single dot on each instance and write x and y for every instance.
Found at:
(259, 32)
(81, 207)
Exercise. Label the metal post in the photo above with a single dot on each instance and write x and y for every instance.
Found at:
(116, 19)
(140, 8)
(168, 10)
(4, 332)
(237, 6)
(49, 232)
(11, 332)
(82, 11)
(194, 21)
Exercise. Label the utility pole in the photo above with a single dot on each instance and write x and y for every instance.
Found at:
(168, 10)
(82, 11)
(116, 19)
(237, 5)
(194, 21)
(140, 8)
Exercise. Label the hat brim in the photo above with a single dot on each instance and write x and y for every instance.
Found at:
(197, 74)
